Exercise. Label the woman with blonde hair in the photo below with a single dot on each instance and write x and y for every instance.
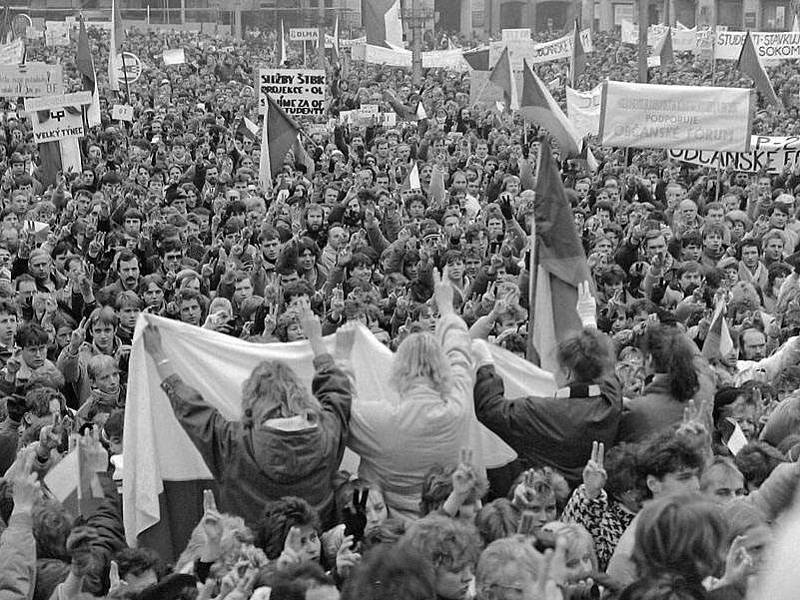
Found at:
(427, 423)
(290, 440)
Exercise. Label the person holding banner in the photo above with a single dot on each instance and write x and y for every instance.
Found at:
(290, 441)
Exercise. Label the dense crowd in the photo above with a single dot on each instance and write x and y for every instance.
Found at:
(660, 469)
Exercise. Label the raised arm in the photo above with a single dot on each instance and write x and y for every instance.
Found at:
(453, 336)
(210, 432)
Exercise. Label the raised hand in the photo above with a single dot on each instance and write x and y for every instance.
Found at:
(587, 305)
(346, 558)
(152, 341)
(443, 292)
(464, 478)
(116, 585)
(309, 321)
(594, 474)
(211, 520)
(355, 516)
(291, 549)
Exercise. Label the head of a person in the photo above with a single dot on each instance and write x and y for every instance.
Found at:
(453, 547)
(128, 307)
(273, 391)
(669, 466)
(437, 486)
(279, 517)
(42, 406)
(625, 484)
(668, 352)
(103, 372)
(139, 568)
(102, 327)
(32, 340)
(498, 519)
(584, 357)
(681, 533)
(722, 480)
(390, 571)
(757, 460)
(128, 269)
(580, 559)
(420, 360)
(509, 568)
(304, 581)
(190, 306)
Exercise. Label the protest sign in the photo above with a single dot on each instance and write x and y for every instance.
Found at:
(515, 34)
(303, 34)
(640, 115)
(770, 154)
(129, 68)
(770, 45)
(583, 109)
(353, 42)
(31, 79)
(58, 117)
(683, 40)
(390, 57)
(297, 91)
(122, 112)
(11, 54)
(561, 48)
(56, 33)
(174, 56)
(452, 60)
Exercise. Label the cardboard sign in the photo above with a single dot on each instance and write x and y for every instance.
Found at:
(641, 115)
(297, 91)
(583, 109)
(58, 117)
(11, 54)
(31, 80)
(515, 34)
(56, 33)
(122, 112)
(174, 56)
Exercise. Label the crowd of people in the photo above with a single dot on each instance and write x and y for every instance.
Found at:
(662, 467)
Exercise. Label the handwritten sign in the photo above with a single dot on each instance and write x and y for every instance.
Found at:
(122, 112)
(31, 80)
(297, 91)
(303, 34)
(58, 117)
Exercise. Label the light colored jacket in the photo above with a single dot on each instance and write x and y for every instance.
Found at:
(401, 439)
(18, 559)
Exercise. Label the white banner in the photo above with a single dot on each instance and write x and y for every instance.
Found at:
(382, 56)
(303, 34)
(683, 40)
(583, 109)
(296, 91)
(781, 45)
(31, 79)
(515, 34)
(519, 49)
(770, 154)
(56, 33)
(445, 59)
(640, 115)
(11, 54)
(57, 123)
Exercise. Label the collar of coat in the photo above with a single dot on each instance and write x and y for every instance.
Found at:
(579, 390)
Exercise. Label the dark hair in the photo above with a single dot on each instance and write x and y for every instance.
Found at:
(136, 561)
(293, 582)
(392, 572)
(673, 355)
(31, 334)
(278, 518)
(51, 526)
(8, 307)
(622, 465)
(665, 454)
(665, 586)
(587, 354)
(756, 461)
(498, 519)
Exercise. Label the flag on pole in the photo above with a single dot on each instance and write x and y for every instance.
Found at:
(750, 65)
(336, 40)
(795, 24)
(477, 59)
(539, 106)
(665, 51)
(718, 342)
(117, 36)
(412, 181)
(247, 129)
(75, 484)
(503, 77)
(382, 23)
(577, 63)
(280, 46)
(557, 265)
(6, 28)
(85, 65)
(421, 113)
(279, 135)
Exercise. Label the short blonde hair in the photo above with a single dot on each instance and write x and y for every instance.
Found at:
(420, 358)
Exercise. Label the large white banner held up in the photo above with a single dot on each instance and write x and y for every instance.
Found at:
(640, 115)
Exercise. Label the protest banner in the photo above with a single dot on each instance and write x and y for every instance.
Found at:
(378, 55)
(173, 56)
(12, 53)
(561, 48)
(770, 45)
(122, 112)
(297, 91)
(640, 115)
(303, 34)
(58, 117)
(452, 60)
(583, 109)
(353, 42)
(56, 33)
(31, 80)
(767, 154)
(683, 40)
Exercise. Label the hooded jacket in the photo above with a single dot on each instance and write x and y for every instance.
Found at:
(257, 464)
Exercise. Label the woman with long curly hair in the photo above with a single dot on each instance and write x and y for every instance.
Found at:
(290, 440)
(426, 424)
